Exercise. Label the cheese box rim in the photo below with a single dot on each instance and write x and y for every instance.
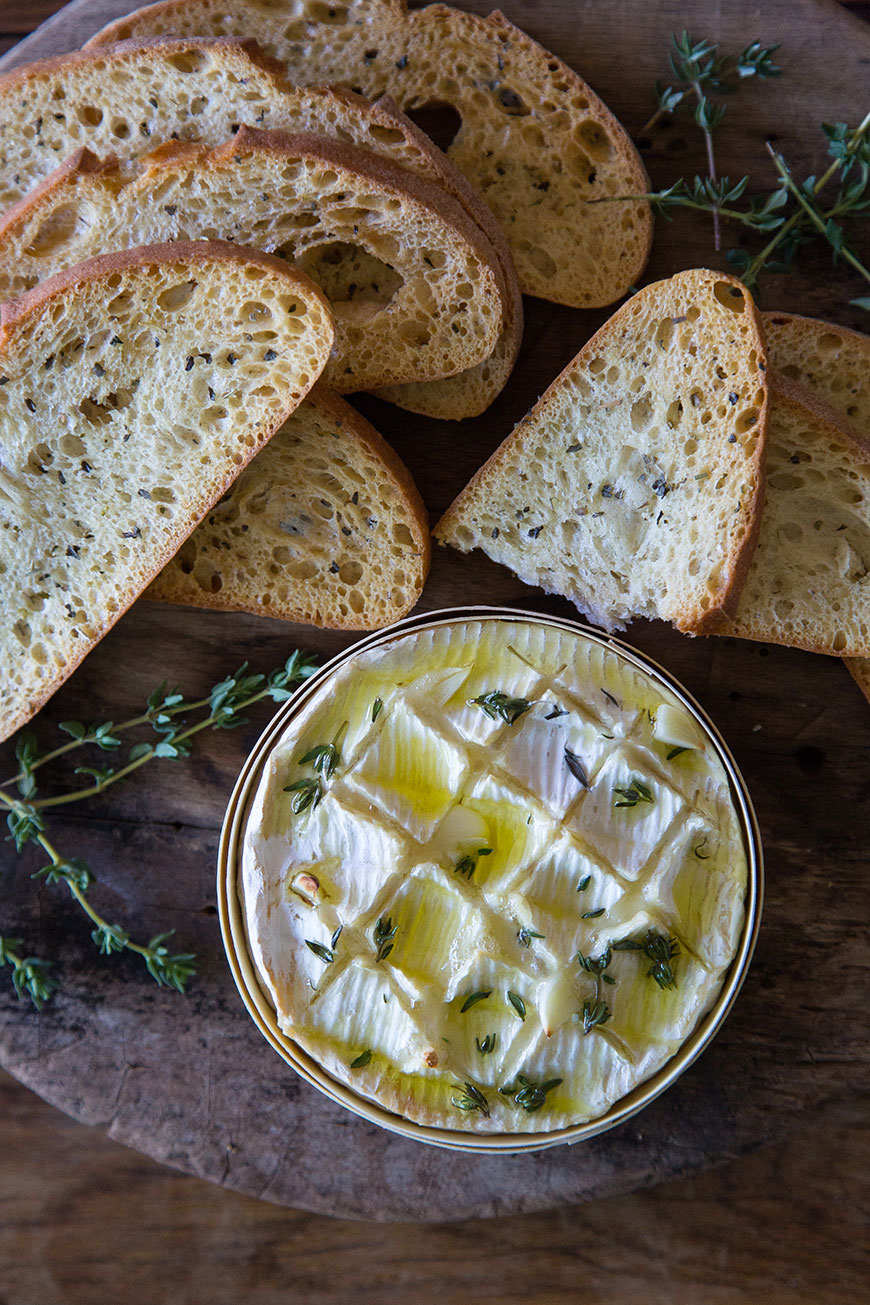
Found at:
(259, 1005)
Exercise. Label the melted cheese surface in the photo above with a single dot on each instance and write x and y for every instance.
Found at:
(485, 924)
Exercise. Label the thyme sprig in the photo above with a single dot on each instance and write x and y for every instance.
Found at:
(530, 1096)
(166, 712)
(595, 1013)
(472, 1099)
(699, 69)
(498, 705)
(383, 933)
(660, 949)
(30, 974)
(634, 792)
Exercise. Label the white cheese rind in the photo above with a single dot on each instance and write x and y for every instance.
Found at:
(460, 853)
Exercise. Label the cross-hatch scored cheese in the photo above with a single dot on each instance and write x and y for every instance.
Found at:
(481, 887)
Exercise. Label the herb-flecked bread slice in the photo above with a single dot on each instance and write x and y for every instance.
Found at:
(325, 526)
(129, 402)
(415, 288)
(202, 90)
(834, 363)
(809, 582)
(533, 138)
(634, 485)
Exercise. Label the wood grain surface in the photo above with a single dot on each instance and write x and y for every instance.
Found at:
(187, 1080)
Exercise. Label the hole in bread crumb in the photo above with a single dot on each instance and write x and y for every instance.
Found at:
(55, 231)
(840, 641)
(188, 61)
(440, 121)
(729, 296)
(594, 139)
(90, 115)
(176, 296)
(355, 282)
(747, 420)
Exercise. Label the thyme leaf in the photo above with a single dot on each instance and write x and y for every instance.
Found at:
(498, 705)
(383, 933)
(595, 964)
(531, 1096)
(525, 936)
(473, 998)
(488, 1044)
(635, 792)
(472, 1099)
(377, 708)
(325, 954)
(594, 1014)
(308, 792)
(324, 758)
(584, 883)
(362, 1060)
(657, 947)
(518, 1004)
(576, 767)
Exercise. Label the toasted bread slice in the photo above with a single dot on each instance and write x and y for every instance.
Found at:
(633, 487)
(809, 582)
(325, 526)
(829, 360)
(128, 405)
(809, 585)
(201, 90)
(415, 288)
(534, 139)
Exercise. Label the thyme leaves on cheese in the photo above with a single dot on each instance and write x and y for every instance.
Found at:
(525, 936)
(377, 708)
(323, 953)
(593, 915)
(595, 1013)
(518, 1005)
(473, 998)
(363, 1059)
(308, 792)
(383, 934)
(659, 948)
(323, 758)
(487, 1046)
(633, 793)
(499, 706)
(168, 715)
(466, 865)
(530, 1096)
(471, 1099)
(576, 767)
(584, 883)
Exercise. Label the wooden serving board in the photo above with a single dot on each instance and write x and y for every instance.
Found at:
(188, 1079)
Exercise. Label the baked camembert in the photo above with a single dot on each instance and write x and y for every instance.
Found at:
(493, 875)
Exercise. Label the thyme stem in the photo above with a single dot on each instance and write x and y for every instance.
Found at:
(751, 273)
(817, 219)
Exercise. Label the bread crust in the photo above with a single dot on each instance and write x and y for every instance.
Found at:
(493, 46)
(786, 392)
(18, 314)
(724, 601)
(358, 430)
(84, 175)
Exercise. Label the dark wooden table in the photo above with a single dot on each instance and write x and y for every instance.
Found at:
(117, 1053)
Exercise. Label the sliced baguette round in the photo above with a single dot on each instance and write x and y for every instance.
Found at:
(415, 288)
(834, 363)
(829, 360)
(634, 485)
(534, 139)
(129, 97)
(129, 402)
(325, 526)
